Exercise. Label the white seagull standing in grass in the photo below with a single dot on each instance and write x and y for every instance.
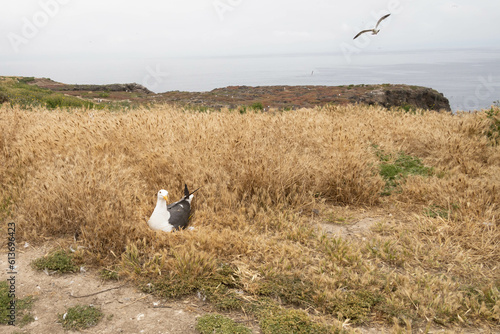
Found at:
(374, 31)
(171, 217)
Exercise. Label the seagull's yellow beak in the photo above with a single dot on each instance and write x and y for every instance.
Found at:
(166, 197)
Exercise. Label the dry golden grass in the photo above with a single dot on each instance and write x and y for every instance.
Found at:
(94, 175)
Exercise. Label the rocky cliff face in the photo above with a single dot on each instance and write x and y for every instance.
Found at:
(128, 88)
(403, 96)
(293, 97)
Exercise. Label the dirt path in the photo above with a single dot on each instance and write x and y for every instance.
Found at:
(126, 310)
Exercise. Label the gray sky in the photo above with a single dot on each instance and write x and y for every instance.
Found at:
(38, 32)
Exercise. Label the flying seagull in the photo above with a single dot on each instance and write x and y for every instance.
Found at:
(171, 217)
(374, 31)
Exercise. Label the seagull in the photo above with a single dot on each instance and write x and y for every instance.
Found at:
(171, 217)
(374, 31)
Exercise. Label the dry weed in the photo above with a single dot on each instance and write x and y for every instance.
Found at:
(92, 176)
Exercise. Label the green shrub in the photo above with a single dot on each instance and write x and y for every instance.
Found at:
(58, 261)
(23, 316)
(218, 324)
(3, 96)
(60, 101)
(80, 317)
(493, 132)
(277, 320)
(257, 106)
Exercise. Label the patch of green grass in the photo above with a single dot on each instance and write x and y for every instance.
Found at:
(59, 261)
(336, 220)
(57, 100)
(196, 108)
(356, 305)
(26, 319)
(5, 302)
(435, 211)
(488, 296)
(257, 106)
(109, 274)
(3, 96)
(17, 91)
(80, 317)
(22, 307)
(217, 287)
(409, 108)
(25, 80)
(5, 204)
(222, 297)
(395, 168)
(493, 132)
(290, 290)
(274, 319)
(219, 324)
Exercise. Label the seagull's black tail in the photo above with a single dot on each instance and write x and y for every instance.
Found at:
(186, 191)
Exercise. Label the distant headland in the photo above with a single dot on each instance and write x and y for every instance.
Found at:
(261, 97)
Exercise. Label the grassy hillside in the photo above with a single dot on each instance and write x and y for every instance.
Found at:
(273, 185)
(22, 92)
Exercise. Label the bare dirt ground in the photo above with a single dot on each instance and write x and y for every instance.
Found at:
(126, 310)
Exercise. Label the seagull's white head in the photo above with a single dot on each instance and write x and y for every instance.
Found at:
(163, 194)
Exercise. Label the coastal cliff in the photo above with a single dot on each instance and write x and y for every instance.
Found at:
(260, 97)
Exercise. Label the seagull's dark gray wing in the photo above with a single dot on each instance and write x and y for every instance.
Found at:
(362, 32)
(381, 19)
(179, 214)
(180, 211)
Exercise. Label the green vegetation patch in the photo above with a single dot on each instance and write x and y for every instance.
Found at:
(355, 305)
(493, 131)
(394, 168)
(80, 317)
(218, 324)
(408, 108)
(218, 288)
(274, 319)
(257, 106)
(435, 211)
(291, 290)
(59, 261)
(22, 307)
(18, 91)
(109, 274)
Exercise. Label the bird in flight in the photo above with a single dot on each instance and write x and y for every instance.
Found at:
(374, 31)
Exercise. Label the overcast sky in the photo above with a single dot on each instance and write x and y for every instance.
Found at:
(35, 31)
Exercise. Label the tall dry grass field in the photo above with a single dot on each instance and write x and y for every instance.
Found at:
(270, 181)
